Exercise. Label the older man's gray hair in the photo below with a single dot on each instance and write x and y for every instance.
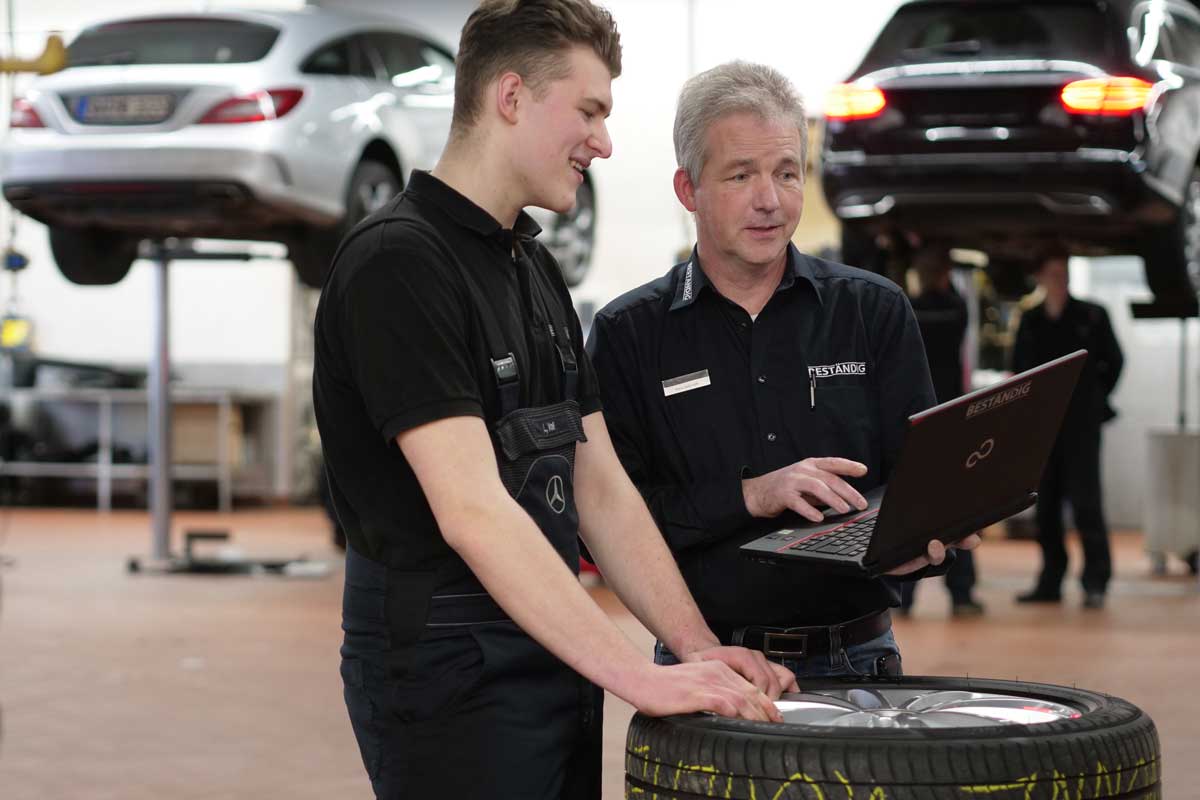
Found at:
(732, 88)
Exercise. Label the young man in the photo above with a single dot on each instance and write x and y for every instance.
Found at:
(459, 418)
(753, 380)
(1063, 324)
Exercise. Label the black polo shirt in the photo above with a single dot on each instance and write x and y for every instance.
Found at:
(832, 366)
(399, 343)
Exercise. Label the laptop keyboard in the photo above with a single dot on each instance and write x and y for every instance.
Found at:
(849, 540)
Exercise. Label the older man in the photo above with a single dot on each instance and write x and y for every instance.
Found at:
(753, 380)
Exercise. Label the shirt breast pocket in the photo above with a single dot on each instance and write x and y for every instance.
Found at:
(845, 412)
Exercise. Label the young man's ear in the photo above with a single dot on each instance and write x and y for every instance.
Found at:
(508, 92)
(685, 190)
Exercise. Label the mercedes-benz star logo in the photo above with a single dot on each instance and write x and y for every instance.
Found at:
(983, 452)
(555, 495)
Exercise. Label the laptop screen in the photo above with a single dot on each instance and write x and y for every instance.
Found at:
(987, 449)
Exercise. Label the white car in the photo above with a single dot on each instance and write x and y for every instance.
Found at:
(264, 126)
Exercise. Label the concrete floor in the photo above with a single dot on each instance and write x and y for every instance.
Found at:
(197, 688)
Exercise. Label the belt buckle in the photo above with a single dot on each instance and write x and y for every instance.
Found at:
(769, 637)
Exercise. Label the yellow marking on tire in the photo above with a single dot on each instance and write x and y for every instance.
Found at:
(800, 776)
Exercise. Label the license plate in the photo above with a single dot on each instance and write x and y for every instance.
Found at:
(123, 109)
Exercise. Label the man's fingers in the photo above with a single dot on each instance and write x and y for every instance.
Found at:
(769, 683)
(820, 469)
(758, 706)
(840, 466)
(786, 678)
(814, 486)
(804, 508)
(769, 708)
(848, 492)
(722, 704)
(935, 551)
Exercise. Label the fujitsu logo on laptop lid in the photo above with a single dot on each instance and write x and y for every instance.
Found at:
(992, 402)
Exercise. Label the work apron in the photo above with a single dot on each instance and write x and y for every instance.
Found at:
(447, 696)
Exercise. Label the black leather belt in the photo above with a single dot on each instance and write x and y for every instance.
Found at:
(803, 641)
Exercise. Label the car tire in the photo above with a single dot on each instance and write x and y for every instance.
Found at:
(92, 256)
(1104, 747)
(572, 236)
(1171, 254)
(371, 186)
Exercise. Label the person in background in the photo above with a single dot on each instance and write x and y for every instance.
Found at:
(942, 317)
(1059, 325)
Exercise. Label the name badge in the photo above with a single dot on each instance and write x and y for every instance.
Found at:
(685, 383)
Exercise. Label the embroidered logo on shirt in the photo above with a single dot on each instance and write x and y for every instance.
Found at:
(687, 283)
(685, 383)
(833, 370)
(999, 399)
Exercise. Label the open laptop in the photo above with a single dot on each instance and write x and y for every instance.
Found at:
(964, 464)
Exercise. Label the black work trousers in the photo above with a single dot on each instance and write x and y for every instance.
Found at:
(1073, 474)
(466, 711)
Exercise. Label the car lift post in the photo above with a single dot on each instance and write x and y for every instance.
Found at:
(161, 254)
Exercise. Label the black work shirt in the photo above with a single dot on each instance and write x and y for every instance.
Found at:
(832, 366)
(1041, 338)
(399, 343)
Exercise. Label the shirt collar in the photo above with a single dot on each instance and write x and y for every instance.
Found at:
(690, 282)
(464, 211)
(692, 279)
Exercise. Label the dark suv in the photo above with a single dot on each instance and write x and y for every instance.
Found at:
(1003, 126)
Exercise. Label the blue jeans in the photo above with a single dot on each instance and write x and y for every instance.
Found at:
(880, 656)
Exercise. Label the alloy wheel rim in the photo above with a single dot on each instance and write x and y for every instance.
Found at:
(910, 708)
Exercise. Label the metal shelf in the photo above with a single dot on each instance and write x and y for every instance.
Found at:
(223, 471)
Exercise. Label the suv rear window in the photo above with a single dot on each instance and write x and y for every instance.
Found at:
(965, 30)
(178, 40)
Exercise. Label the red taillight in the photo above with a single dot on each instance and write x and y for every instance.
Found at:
(850, 101)
(1117, 97)
(254, 107)
(24, 115)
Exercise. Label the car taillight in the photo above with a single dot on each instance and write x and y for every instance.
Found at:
(253, 107)
(1118, 97)
(24, 115)
(851, 101)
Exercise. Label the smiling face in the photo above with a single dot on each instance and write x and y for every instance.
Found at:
(750, 194)
(559, 132)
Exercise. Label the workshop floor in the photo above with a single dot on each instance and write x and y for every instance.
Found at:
(135, 687)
